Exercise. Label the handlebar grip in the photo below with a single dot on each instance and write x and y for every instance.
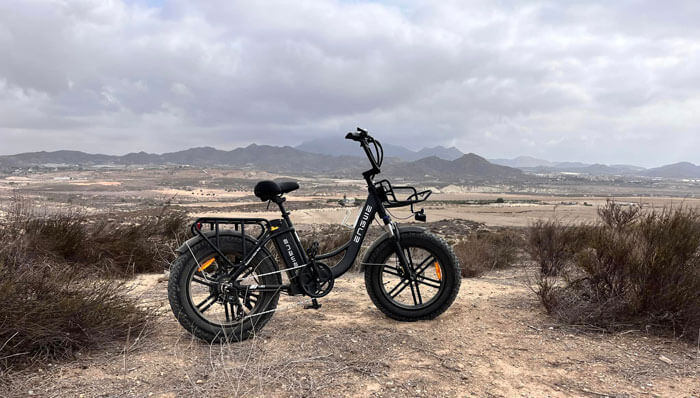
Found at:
(353, 136)
(359, 136)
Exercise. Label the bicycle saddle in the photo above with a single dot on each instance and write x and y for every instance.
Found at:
(267, 190)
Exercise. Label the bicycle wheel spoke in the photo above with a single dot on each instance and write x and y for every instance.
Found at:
(400, 286)
(423, 282)
(391, 270)
(203, 281)
(250, 301)
(420, 299)
(413, 293)
(206, 303)
(226, 311)
(424, 265)
(425, 278)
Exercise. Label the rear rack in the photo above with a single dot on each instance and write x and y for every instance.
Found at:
(387, 193)
(239, 224)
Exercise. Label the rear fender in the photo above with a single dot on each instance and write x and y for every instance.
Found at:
(185, 247)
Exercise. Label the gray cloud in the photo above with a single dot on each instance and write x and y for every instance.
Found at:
(599, 81)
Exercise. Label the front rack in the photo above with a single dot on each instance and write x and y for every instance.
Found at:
(387, 193)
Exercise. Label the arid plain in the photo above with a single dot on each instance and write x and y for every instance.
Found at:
(495, 341)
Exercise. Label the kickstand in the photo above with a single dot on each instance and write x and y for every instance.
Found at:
(313, 306)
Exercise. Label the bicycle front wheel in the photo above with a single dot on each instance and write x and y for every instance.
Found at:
(428, 288)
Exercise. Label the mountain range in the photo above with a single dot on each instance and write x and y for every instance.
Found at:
(344, 158)
(331, 146)
(535, 165)
(285, 160)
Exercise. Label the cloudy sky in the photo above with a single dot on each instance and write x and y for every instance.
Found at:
(599, 81)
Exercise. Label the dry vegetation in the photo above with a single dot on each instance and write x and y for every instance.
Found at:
(62, 288)
(57, 281)
(633, 269)
(108, 244)
(484, 251)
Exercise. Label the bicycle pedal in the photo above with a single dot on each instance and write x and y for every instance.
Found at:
(313, 306)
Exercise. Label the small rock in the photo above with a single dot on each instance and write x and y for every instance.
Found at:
(199, 381)
(665, 360)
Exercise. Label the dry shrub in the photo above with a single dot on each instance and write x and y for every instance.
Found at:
(633, 268)
(551, 244)
(329, 237)
(485, 250)
(52, 306)
(102, 243)
(50, 312)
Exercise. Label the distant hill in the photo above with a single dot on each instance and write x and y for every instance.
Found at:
(676, 170)
(440, 162)
(522, 161)
(469, 166)
(262, 157)
(332, 146)
(535, 165)
(58, 157)
(441, 152)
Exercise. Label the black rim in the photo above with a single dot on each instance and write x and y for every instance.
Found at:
(412, 292)
(215, 302)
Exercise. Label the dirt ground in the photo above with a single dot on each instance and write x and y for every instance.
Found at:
(495, 341)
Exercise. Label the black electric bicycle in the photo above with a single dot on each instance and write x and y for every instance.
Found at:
(225, 284)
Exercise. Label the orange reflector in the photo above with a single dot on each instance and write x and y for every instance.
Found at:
(206, 264)
(438, 271)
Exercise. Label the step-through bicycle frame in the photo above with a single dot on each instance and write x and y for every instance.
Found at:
(282, 232)
(287, 242)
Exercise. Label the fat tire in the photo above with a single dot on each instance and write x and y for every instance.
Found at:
(448, 264)
(188, 316)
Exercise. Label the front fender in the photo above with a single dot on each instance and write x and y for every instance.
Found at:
(385, 236)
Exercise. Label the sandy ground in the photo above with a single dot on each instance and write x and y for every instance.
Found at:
(493, 342)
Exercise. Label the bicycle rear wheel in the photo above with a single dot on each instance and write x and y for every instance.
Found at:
(205, 303)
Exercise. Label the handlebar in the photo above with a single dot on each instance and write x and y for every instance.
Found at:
(359, 136)
(376, 156)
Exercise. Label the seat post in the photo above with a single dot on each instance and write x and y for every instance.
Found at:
(279, 200)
